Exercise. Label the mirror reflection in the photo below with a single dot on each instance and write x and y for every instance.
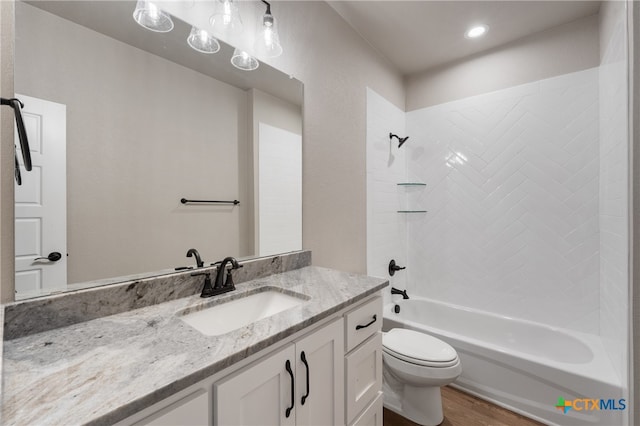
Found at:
(124, 123)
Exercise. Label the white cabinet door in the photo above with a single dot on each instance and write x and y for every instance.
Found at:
(260, 394)
(364, 375)
(192, 410)
(320, 376)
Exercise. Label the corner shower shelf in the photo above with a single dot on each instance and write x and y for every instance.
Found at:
(411, 184)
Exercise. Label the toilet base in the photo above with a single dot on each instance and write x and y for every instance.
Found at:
(423, 405)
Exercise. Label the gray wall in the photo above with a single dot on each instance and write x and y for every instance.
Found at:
(336, 66)
(7, 271)
(634, 132)
(560, 50)
(142, 132)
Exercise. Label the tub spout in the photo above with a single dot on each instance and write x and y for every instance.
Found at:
(402, 292)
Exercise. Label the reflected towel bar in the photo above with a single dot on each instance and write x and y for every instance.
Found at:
(185, 201)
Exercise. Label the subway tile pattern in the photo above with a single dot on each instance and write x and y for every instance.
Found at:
(614, 200)
(386, 167)
(512, 197)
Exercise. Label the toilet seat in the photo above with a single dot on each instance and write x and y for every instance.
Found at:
(418, 348)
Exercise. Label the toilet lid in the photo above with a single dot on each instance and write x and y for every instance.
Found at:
(418, 348)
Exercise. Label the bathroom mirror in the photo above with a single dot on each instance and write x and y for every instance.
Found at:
(124, 123)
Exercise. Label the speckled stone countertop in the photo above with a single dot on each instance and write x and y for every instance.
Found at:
(104, 370)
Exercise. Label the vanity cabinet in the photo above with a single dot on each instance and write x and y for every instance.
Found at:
(335, 367)
(301, 384)
(363, 360)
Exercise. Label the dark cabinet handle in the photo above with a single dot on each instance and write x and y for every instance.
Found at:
(288, 367)
(303, 357)
(358, 327)
(54, 256)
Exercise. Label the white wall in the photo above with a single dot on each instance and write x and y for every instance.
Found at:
(386, 167)
(556, 51)
(512, 195)
(614, 185)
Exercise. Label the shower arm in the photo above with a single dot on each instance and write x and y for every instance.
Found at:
(400, 140)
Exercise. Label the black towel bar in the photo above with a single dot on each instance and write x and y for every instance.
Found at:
(185, 201)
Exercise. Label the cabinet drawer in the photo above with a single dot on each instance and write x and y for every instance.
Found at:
(372, 415)
(364, 376)
(363, 322)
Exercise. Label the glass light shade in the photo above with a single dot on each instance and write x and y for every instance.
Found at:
(242, 60)
(152, 17)
(226, 18)
(202, 41)
(267, 41)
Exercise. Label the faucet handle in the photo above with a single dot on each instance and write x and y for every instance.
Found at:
(207, 290)
(229, 280)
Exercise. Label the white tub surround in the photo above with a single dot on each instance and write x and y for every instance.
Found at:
(386, 168)
(512, 195)
(614, 195)
(518, 364)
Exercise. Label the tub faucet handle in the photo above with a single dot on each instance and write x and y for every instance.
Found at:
(393, 267)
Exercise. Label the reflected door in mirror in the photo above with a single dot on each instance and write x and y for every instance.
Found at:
(40, 202)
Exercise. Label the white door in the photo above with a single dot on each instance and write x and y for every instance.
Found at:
(279, 192)
(260, 394)
(320, 376)
(41, 201)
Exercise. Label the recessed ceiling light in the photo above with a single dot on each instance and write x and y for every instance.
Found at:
(476, 31)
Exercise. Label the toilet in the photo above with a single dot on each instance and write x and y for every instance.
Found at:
(415, 366)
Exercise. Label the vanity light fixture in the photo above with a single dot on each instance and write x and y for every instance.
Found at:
(267, 41)
(152, 17)
(476, 31)
(243, 61)
(202, 41)
(226, 18)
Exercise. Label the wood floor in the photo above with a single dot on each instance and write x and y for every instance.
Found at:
(461, 409)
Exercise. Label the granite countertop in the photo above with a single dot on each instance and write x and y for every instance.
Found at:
(104, 370)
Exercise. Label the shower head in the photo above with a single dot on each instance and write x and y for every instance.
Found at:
(400, 140)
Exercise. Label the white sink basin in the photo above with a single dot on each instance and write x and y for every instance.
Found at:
(229, 316)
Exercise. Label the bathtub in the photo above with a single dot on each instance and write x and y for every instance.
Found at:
(520, 365)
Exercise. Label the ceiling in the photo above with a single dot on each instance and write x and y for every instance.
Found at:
(418, 35)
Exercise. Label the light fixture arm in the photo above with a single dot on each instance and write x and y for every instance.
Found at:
(268, 7)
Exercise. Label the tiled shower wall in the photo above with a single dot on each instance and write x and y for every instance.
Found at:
(512, 197)
(386, 167)
(614, 200)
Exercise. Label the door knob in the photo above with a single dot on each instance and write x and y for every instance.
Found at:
(54, 256)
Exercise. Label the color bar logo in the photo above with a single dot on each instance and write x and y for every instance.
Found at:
(589, 404)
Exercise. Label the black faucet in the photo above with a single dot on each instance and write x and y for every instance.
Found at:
(402, 292)
(193, 252)
(228, 284)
